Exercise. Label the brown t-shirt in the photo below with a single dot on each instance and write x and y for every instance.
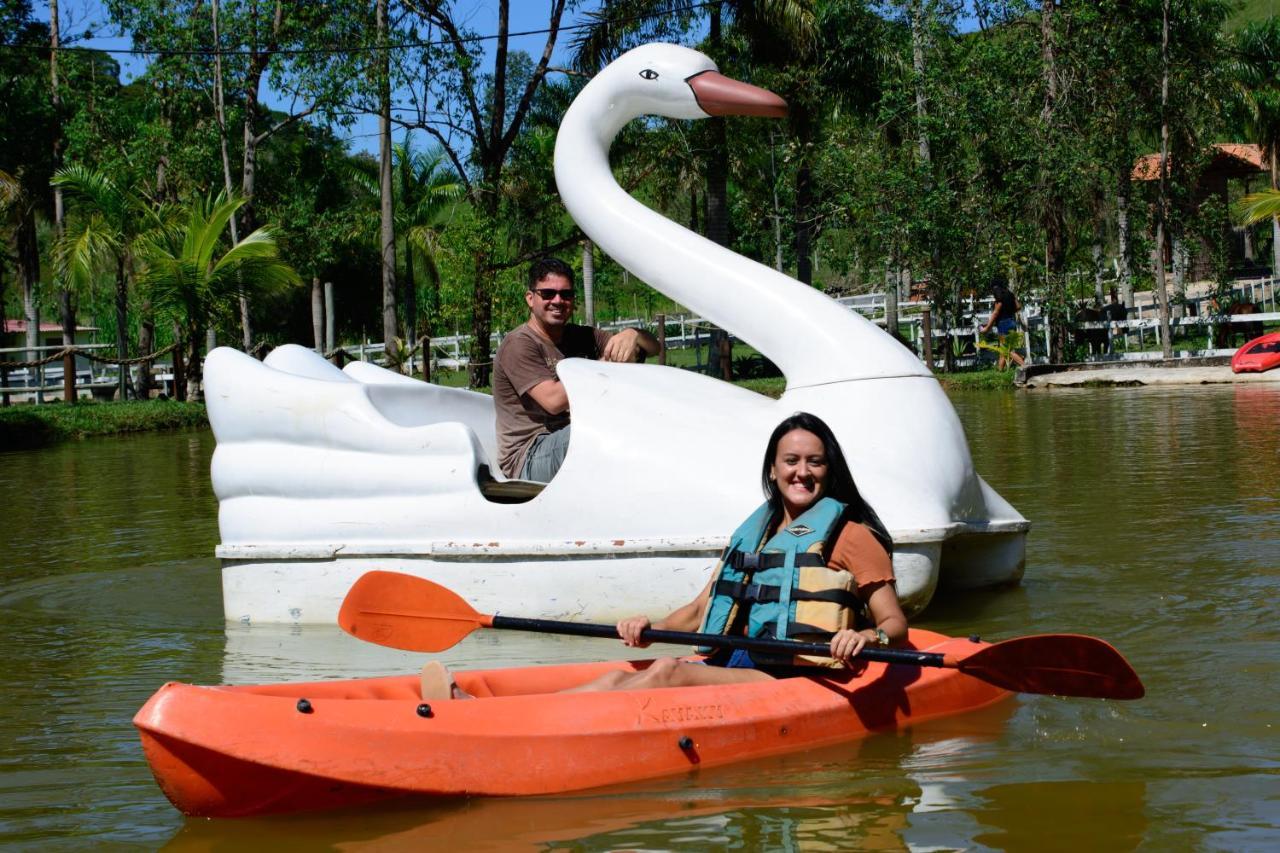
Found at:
(859, 552)
(524, 360)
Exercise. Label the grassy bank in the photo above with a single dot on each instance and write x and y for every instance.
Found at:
(28, 426)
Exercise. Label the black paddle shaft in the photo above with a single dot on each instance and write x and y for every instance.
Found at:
(719, 641)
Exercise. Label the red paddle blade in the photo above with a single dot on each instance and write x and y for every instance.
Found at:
(407, 612)
(1058, 665)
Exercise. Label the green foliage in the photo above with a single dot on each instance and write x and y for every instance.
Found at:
(1258, 207)
(185, 275)
(1014, 182)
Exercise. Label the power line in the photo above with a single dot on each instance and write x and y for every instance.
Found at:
(372, 48)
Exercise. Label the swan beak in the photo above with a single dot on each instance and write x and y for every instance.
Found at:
(719, 95)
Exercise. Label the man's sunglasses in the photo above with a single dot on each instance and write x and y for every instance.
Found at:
(549, 293)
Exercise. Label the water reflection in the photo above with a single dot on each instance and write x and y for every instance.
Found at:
(1156, 524)
(1014, 817)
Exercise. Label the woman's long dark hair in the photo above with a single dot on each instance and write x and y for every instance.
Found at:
(839, 485)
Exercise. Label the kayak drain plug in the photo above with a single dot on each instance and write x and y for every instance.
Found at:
(424, 710)
(304, 707)
(685, 743)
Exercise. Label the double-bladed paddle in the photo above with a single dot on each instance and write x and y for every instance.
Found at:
(411, 613)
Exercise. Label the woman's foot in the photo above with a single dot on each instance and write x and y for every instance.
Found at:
(438, 683)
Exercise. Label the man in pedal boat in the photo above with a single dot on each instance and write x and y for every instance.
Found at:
(813, 564)
(531, 404)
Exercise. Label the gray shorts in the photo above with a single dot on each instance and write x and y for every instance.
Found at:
(545, 456)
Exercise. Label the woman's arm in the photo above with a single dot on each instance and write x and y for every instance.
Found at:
(886, 612)
(686, 618)
(991, 321)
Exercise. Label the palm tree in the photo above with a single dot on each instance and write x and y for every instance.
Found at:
(184, 277)
(114, 222)
(1258, 84)
(1258, 206)
(425, 190)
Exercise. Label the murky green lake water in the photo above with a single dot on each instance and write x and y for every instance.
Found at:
(1156, 520)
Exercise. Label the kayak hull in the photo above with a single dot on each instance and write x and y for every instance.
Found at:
(260, 749)
(1258, 355)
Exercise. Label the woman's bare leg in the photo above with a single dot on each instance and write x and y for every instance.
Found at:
(670, 672)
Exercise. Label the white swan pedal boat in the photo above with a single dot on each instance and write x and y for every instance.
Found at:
(323, 474)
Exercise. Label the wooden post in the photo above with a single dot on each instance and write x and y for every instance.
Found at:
(662, 339)
(69, 378)
(926, 331)
(726, 358)
(4, 382)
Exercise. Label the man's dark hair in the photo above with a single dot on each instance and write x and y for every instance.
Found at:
(544, 267)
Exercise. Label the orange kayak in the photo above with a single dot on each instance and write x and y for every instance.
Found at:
(260, 749)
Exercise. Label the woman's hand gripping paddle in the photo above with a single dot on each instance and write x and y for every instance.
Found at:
(407, 612)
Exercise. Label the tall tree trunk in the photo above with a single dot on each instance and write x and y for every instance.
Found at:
(146, 346)
(1181, 258)
(220, 112)
(805, 249)
(917, 66)
(29, 281)
(317, 314)
(1275, 220)
(937, 287)
(589, 282)
(1162, 204)
(64, 287)
(179, 367)
(717, 219)
(384, 181)
(891, 277)
(122, 316)
(481, 309)
(195, 368)
(259, 58)
(328, 317)
(1096, 249)
(410, 296)
(1123, 236)
(777, 210)
(1052, 219)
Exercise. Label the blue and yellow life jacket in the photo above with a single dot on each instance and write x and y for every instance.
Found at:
(782, 589)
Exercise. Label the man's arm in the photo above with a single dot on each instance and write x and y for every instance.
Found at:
(628, 345)
(550, 395)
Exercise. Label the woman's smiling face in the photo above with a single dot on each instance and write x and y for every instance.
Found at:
(800, 470)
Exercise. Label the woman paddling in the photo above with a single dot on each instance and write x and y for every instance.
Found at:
(813, 564)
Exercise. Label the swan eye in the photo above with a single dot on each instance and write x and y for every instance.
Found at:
(649, 74)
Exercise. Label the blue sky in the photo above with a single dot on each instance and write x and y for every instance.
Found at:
(81, 16)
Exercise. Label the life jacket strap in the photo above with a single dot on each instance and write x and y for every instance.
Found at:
(767, 593)
(771, 560)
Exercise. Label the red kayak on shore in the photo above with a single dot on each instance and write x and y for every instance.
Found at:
(260, 749)
(1258, 356)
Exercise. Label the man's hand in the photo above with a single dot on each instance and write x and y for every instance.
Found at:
(629, 345)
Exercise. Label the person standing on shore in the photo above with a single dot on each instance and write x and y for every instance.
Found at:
(1004, 316)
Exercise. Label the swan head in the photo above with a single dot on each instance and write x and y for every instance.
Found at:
(677, 82)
